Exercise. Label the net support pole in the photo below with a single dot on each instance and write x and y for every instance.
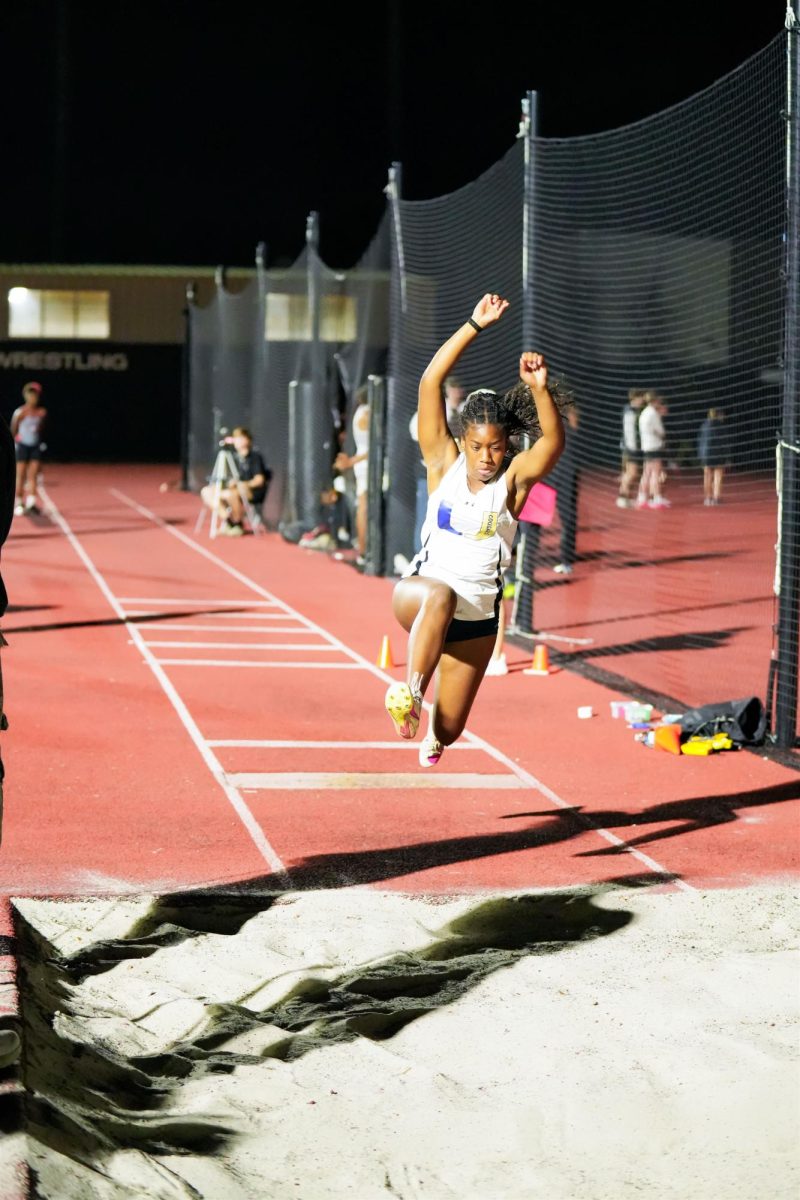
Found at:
(375, 550)
(190, 296)
(310, 430)
(522, 608)
(394, 190)
(789, 449)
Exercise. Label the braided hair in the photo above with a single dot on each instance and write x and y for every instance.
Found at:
(513, 411)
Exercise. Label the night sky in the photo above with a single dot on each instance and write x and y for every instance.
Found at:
(183, 132)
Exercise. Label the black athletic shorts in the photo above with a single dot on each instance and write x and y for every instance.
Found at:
(27, 453)
(465, 631)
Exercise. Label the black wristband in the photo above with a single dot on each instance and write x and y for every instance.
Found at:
(475, 325)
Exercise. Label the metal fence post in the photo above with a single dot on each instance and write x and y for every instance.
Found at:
(376, 515)
(522, 608)
(788, 573)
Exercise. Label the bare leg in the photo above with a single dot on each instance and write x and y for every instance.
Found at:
(497, 662)
(461, 670)
(424, 607)
(361, 524)
(717, 484)
(501, 631)
(234, 503)
(31, 481)
(19, 497)
(708, 473)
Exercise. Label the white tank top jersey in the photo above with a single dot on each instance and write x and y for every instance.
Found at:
(361, 439)
(29, 429)
(466, 541)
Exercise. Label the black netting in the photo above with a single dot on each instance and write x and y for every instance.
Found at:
(266, 357)
(657, 254)
(447, 253)
(245, 349)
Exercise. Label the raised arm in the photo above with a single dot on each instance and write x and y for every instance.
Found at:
(532, 464)
(435, 440)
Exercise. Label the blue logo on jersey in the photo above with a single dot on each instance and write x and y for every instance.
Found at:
(465, 521)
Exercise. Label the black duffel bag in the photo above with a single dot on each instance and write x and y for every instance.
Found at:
(744, 721)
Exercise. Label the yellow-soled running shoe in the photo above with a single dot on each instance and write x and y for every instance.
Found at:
(405, 708)
(430, 751)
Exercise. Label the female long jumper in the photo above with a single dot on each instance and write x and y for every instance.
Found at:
(449, 598)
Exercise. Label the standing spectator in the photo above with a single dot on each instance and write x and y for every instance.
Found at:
(652, 437)
(565, 478)
(713, 450)
(358, 464)
(631, 448)
(27, 427)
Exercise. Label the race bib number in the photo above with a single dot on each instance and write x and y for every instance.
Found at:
(465, 521)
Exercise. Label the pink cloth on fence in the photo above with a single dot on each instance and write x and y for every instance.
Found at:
(538, 509)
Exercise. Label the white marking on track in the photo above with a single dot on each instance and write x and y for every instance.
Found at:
(287, 744)
(246, 662)
(168, 627)
(310, 781)
(243, 646)
(191, 600)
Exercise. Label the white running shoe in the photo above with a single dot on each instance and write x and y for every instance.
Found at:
(497, 666)
(19, 509)
(562, 569)
(405, 709)
(430, 751)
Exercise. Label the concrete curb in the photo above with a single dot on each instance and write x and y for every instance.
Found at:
(14, 1175)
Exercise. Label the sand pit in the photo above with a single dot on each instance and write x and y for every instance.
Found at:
(599, 1044)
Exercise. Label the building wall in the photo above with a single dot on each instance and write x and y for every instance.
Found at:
(118, 399)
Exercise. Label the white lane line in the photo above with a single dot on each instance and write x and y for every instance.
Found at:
(244, 646)
(287, 744)
(246, 662)
(179, 600)
(311, 781)
(240, 807)
(554, 798)
(168, 627)
(496, 754)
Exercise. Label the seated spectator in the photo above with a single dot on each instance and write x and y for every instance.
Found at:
(241, 492)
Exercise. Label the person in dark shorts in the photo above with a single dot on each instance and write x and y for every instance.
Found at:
(714, 452)
(27, 429)
(448, 599)
(251, 484)
(630, 448)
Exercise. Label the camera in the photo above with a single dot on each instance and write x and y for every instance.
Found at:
(225, 438)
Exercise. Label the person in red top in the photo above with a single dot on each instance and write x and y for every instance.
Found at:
(27, 427)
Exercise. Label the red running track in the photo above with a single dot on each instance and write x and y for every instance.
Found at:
(678, 601)
(188, 713)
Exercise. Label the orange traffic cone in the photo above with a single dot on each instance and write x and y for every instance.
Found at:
(385, 656)
(668, 737)
(541, 662)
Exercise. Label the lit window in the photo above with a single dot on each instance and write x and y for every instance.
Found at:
(288, 318)
(35, 313)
